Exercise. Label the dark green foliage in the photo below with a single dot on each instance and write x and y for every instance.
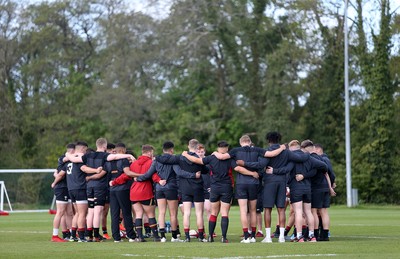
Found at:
(211, 70)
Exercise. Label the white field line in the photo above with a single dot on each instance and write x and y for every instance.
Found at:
(236, 257)
(26, 232)
(367, 225)
(371, 237)
(26, 220)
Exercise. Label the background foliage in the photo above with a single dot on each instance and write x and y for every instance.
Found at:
(77, 70)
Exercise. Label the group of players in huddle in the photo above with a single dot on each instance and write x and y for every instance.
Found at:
(108, 178)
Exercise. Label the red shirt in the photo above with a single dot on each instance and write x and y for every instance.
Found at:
(141, 191)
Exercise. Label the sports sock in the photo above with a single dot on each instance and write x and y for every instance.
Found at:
(267, 232)
(96, 232)
(187, 233)
(277, 230)
(153, 226)
(281, 232)
(320, 227)
(325, 233)
(174, 234)
(81, 233)
(89, 232)
(310, 233)
(65, 233)
(224, 226)
(304, 230)
(253, 231)
(201, 233)
(287, 230)
(104, 230)
(178, 232)
(317, 234)
(73, 232)
(147, 227)
(211, 224)
(245, 233)
(55, 231)
(139, 228)
(162, 232)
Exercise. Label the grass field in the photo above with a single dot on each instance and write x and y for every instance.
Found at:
(364, 232)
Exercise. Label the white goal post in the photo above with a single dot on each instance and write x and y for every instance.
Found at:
(3, 190)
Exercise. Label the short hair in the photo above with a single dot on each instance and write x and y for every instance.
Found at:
(317, 145)
(293, 143)
(100, 142)
(201, 146)
(70, 146)
(130, 152)
(120, 145)
(245, 139)
(168, 145)
(193, 143)
(90, 150)
(110, 146)
(273, 137)
(81, 143)
(147, 148)
(222, 143)
(306, 143)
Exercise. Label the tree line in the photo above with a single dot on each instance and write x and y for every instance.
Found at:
(80, 69)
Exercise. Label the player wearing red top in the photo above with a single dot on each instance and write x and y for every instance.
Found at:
(141, 193)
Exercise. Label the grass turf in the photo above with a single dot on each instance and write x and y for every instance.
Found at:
(363, 232)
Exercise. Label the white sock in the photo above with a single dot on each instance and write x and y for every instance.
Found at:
(268, 232)
(281, 232)
(298, 235)
(311, 233)
(55, 231)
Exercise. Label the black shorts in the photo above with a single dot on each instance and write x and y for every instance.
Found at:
(300, 195)
(171, 195)
(274, 194)
(221, 193)
(98, 194)
(259, 206)
(247, 191)
(195, 196)
(61, 194)
(149, 202)
(320, 200)
(78, 196)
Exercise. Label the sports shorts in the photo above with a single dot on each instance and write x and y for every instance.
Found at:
(221, 193)
(300, 195)
(194, 194)
(98, 194)
(247, 191)
(171, 195)
(78, 196)
(274, 194)
(61, 194)
(149, 202)
(320, 199)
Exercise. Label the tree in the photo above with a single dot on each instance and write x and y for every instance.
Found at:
(375, 169)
